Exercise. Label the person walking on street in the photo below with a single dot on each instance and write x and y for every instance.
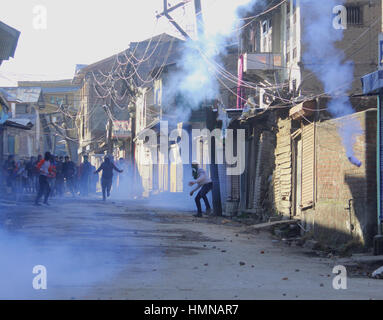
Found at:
(107, 168)
(44, 167)
(205, 183)
(30, 168)
(10, 170)
(69, 171)
(84, 176)
(59, 176)
(36, 172)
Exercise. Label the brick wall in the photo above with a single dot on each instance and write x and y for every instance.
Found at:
(345, 205)
(359, 45)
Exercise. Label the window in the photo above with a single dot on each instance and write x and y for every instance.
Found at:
(265, 27)
(266, 38)
(354, 15)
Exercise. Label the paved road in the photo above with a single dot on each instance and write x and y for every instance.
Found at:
(138, 250)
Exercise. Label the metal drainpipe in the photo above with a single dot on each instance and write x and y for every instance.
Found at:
(352, 227)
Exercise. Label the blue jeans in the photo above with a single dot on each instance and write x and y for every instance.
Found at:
(202, 194)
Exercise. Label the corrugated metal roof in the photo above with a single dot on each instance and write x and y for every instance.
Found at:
(8, 41)
(25, 95)
(25, 124)
(7, 95)
(22, 121)
(60, 89)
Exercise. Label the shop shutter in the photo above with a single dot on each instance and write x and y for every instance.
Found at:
(308, 165)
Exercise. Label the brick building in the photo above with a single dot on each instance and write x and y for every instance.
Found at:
(296, 164)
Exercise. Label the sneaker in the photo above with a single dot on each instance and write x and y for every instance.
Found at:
(208, 211)
(198, 215)
(37, 204)
(47, 204)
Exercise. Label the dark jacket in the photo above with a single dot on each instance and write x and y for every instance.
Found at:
(107, 170)
(69, 169)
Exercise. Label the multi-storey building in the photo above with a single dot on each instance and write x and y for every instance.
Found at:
(61, 104)
(300, 166)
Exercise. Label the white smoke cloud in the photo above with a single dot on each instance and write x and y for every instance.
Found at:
(197, 77)
(329, 63)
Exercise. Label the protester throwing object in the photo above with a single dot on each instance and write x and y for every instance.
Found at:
(204, 182)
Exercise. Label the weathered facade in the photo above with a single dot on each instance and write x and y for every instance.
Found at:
(306, 174)
(25, 105)
(8, 41)
(61, 104)
(109, 89)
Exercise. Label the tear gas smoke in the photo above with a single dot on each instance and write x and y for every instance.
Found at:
(196, 79)
(73, 265)
(329, 64)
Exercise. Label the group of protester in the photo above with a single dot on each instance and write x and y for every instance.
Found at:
(51, 176)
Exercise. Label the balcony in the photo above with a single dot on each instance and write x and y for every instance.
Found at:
(253, 62)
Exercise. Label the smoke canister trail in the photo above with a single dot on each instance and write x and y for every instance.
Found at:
(355, 161)
(196, 79)
(330, 66)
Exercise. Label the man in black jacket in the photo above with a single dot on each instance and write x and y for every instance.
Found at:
(107, 168)
(69, 171)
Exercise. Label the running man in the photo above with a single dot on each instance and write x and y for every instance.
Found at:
(107, 168)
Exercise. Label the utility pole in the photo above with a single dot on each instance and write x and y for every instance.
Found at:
(172, 21)
(110, 127)
(211, 124)
(199, 18)
(211, 117)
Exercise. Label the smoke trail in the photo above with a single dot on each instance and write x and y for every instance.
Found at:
(328, 63)
(196, 79)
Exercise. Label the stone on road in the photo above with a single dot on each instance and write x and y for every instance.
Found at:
(135, 250)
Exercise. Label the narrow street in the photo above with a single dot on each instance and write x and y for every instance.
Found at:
(137, 250)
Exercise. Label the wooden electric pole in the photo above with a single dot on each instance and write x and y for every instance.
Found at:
(211, 121)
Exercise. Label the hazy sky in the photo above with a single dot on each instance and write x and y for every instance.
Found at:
(78, 32)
